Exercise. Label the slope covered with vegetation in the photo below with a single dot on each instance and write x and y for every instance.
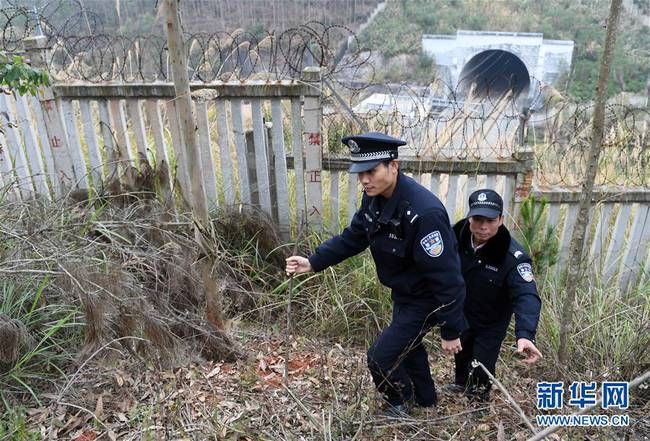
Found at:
(102, 336)
(398, 30)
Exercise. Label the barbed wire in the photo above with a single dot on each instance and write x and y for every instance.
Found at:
(82, 50)
(53, 19)
(562, 142)
(220, 56)
(442, 121)
(494, 126)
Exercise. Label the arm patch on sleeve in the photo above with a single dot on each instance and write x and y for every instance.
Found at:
(525, 271)
(432, 244)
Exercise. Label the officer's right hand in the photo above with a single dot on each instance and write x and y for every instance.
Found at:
(451, 347)
(297, 265)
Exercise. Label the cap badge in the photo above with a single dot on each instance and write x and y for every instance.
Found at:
(354, 147)
(482, 197)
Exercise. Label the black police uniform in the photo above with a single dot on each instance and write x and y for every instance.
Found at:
(499, 281)
(416, 255)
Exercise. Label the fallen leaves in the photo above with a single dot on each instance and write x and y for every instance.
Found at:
(86, 435)
(99, 407)
(271, 367)
(330, 392)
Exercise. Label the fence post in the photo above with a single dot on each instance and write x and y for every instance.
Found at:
(268, 138)
(57, 141)
(313, 147)
(252, 171)
(525, 155)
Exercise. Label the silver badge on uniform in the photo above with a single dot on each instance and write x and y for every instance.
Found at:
(525, 271)
(482, 197)
(354, 147)
(432, 244)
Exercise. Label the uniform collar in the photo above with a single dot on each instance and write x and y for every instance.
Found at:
(494, 250)
(390, 205)
(475, 247)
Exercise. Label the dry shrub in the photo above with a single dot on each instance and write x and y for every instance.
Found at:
(14, 341)
(178, 277)
(249, 258)
(95, 328)
(159, 337)
(130, 264)
(238, 227)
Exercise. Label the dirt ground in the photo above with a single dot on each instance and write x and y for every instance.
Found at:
(329, 395)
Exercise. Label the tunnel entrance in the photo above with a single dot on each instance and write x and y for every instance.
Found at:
(494, 72)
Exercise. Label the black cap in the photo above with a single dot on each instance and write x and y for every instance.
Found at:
(370, 149)
(486, 203)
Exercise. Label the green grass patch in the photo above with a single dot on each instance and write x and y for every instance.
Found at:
(38, 338)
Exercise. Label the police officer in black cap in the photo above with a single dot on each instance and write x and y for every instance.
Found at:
(499, 279)
(415, 252)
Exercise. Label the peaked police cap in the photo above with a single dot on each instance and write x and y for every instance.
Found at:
(485, 202)
(370, 149)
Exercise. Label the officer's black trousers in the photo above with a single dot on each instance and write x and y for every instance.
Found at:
(398, 361)
(482, 345)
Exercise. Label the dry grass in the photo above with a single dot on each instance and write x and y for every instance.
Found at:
(330, 396)
(130, 267)
(145, 362)
(14, 340)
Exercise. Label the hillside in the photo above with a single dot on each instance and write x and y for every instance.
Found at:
(143, 17)
(397, 32)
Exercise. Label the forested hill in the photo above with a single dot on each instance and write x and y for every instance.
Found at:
(397, 34)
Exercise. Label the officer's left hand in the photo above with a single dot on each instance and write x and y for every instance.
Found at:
(451, 346)
(528, 348)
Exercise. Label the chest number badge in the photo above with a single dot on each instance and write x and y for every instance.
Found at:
(525, 271)
(432, 244)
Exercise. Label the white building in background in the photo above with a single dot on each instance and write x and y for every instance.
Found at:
(489, 64)
(469, 54)
(408, 106)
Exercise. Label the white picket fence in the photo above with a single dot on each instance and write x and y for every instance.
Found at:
(77, 137)
(618, 232)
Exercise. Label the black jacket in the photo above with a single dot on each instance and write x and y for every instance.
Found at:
(413, 247)
(499, 281)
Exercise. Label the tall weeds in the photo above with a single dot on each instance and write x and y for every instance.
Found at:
(37, 338)
(613, 333)
(98, 278)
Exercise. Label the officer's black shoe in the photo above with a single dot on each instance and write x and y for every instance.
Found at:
(453, 388)
(478, 394)
(432, 402)
(400, 411)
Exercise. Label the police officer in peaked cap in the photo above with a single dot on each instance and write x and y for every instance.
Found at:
(409, 235)
(499, 279)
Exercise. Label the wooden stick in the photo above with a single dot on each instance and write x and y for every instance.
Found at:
(287, 336)
(498, 384)
(309, 415)
(183, 104)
